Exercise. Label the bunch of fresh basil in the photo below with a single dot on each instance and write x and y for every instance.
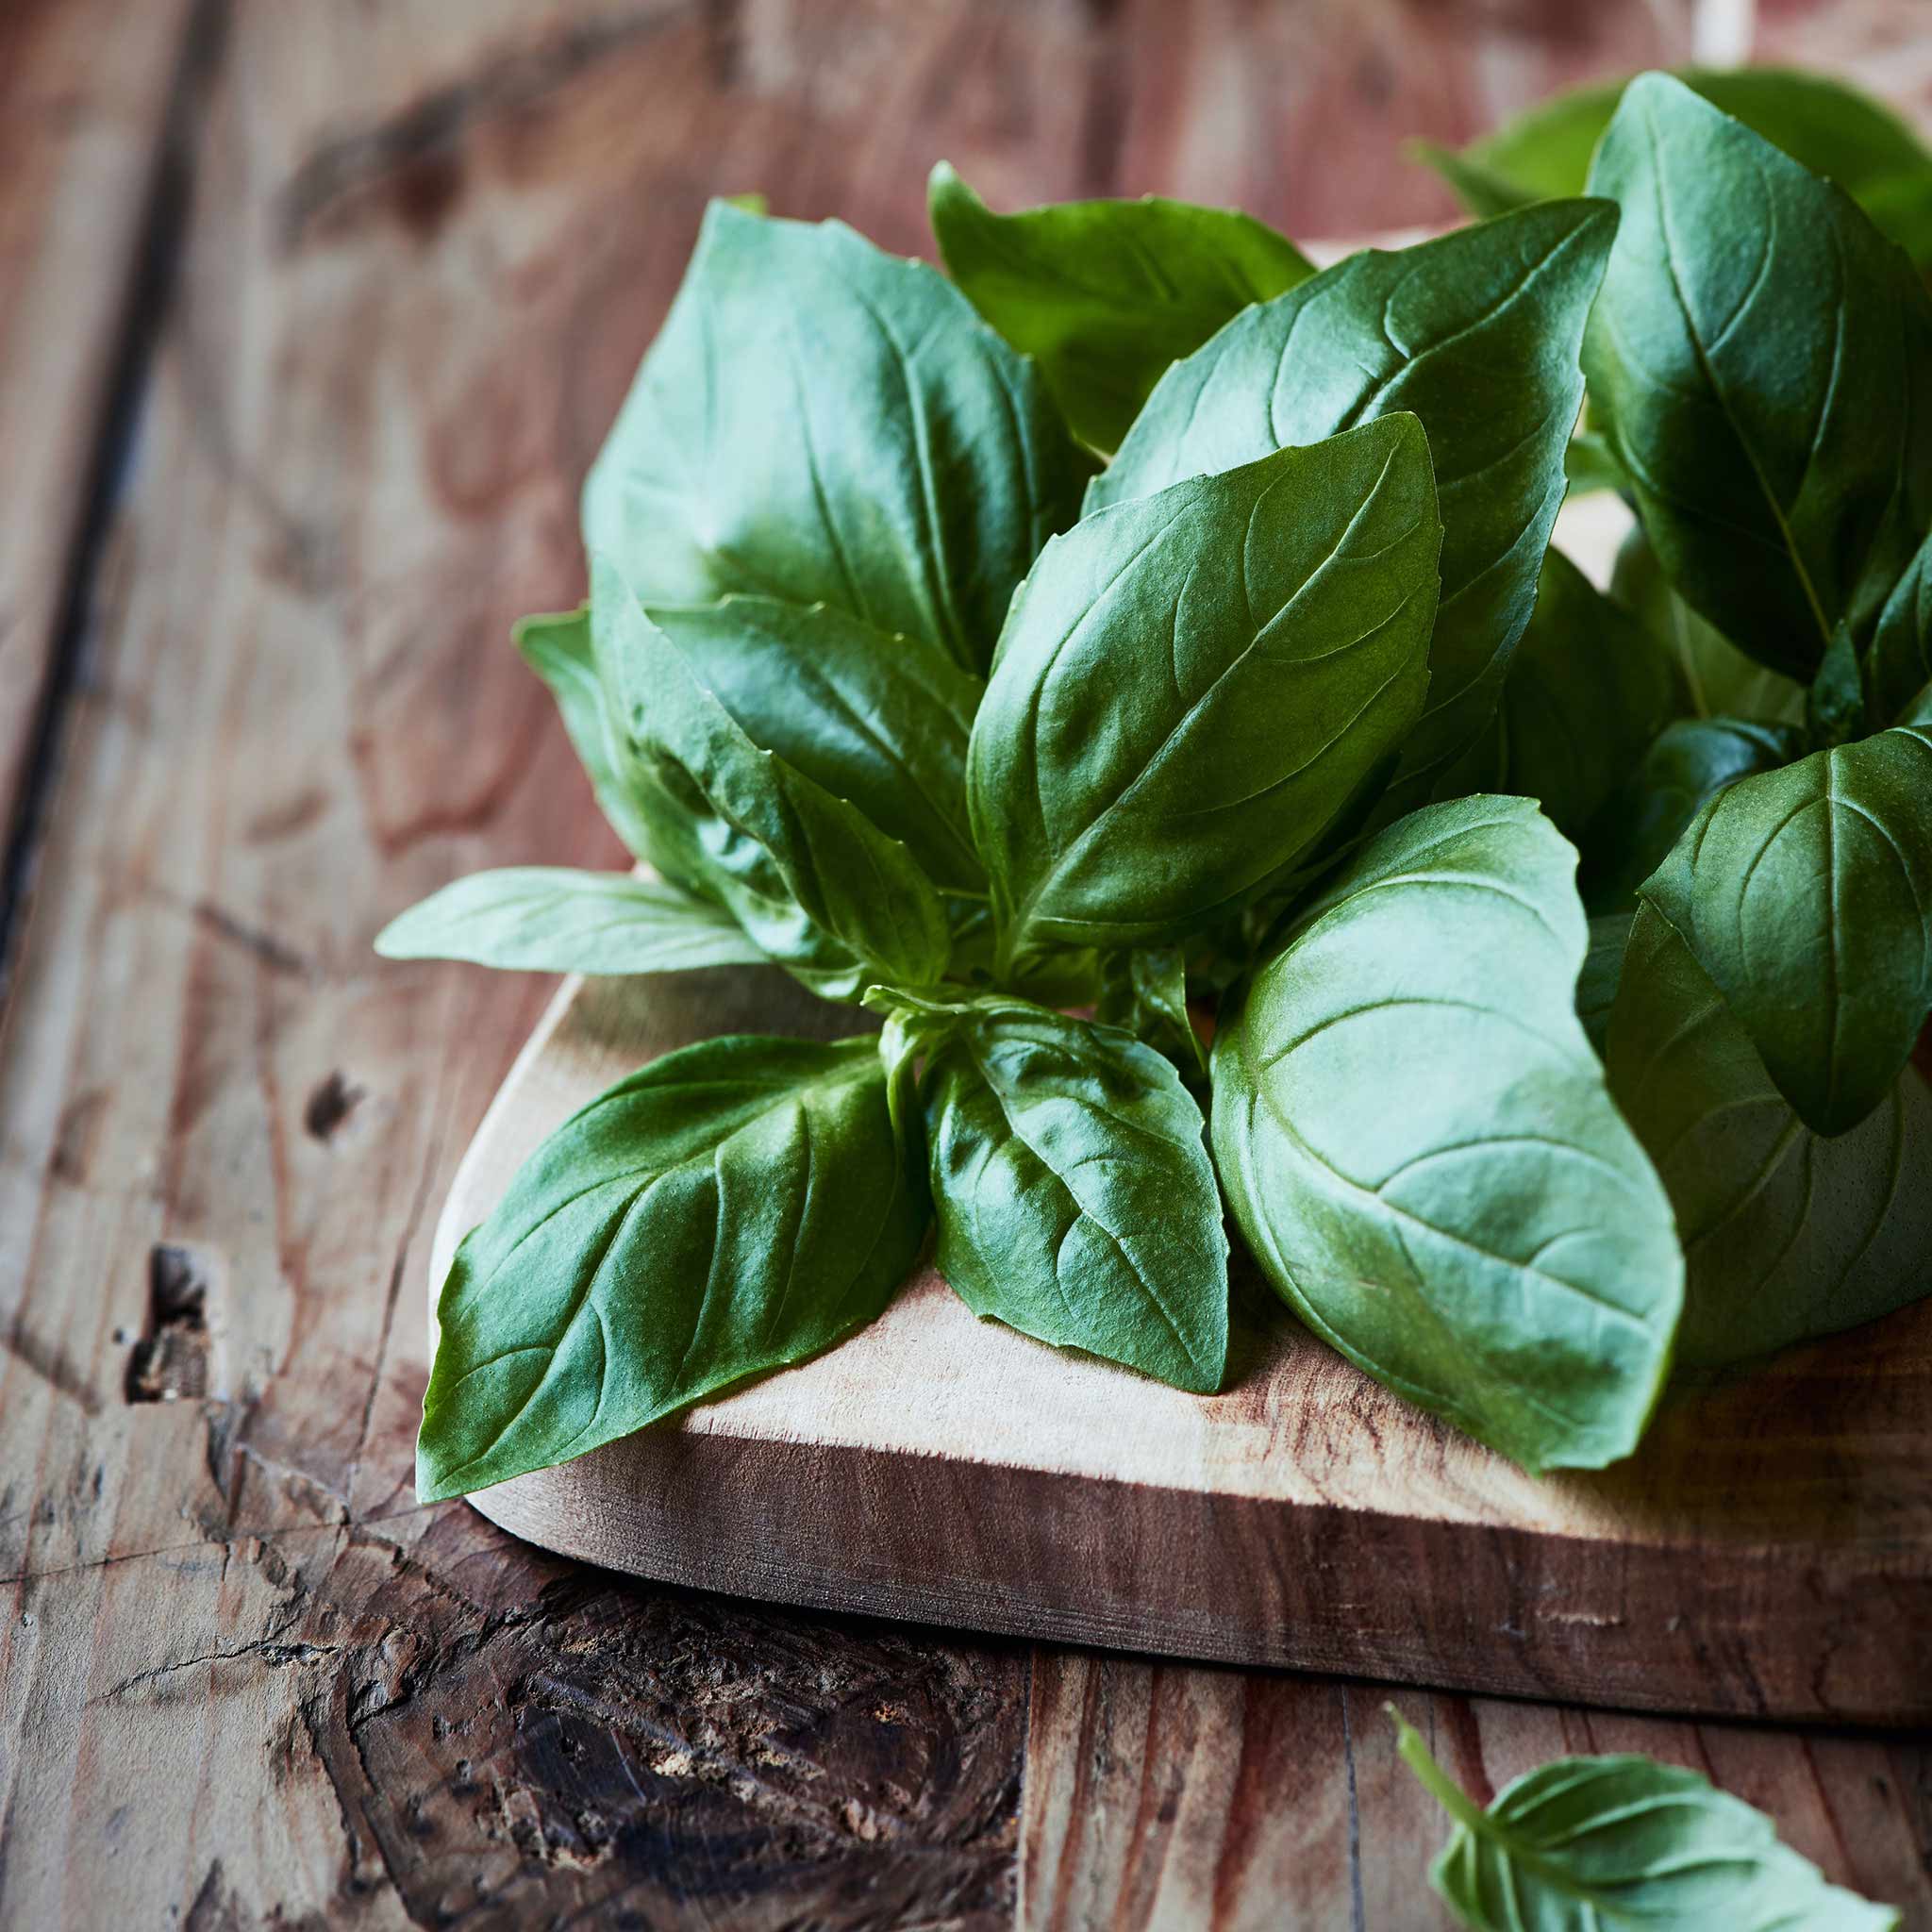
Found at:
(1139, 619)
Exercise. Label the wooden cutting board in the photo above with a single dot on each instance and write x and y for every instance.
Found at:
(1767, 1553)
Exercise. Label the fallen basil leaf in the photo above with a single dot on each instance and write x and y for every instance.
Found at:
(822, 422)
(1073, 1191)
(1581, 1845)
(1759, 359)
(1107, 293)
(1421, 1151)
(1476, 333)
(1786, 1233)
(1144, 991)
(733, 1208)
(551, 919)
(1191, 685)
(1806, 893)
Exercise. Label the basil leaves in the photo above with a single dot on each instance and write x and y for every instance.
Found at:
(1292, 731)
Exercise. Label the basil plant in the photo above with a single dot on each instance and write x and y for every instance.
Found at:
(1136, 625)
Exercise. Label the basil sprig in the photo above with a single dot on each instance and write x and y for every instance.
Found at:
(1288, 727)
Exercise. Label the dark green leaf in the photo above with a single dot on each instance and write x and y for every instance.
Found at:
(881, 721)
(1759, 360)
(1897, 664)
(1787, 1235)
(1603, 969)
(733, 1208)
(1689, 762)
(1415, 1137)
(1835, 706)
(1589, 1844)
(550, 918)
(1144, 991)
(1191, 685)
(814, 883)
(1806, 893)
(1073, 1194)
(1107, 293)
(820, 421)
(1477, 334)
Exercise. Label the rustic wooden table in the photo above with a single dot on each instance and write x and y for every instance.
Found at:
(310, 319)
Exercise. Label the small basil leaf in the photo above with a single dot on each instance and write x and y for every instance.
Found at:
(1191, 685)
(1806, 893)
(1603, 971)
(813, 882)
(1689, 761)
(551, 919)
(1835, 706)
(1787, 1235)
(1758, 359)
(1107, 293)
(1144, 993)
(1073, 1191)
(1719, 681)
(1421, 1151)
(1584, 1845)
(1477, 334)
(1588, 689)
(1897, 662)
(733, 1208)
(1590, 464)
(822, 422)
(881, 721)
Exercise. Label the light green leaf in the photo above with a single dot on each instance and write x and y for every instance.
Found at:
(1192, 685)
(551, 919)
(881, 721)
(1477, 334)
(1107, 293)
(1759, 360)
(1589, 1844)
(1419, 1146)
(1787, 1235)
(814, 883)
(1073, 1194)
(1589, 464)
(820, 421)
(1806, 893)
(733, 1208)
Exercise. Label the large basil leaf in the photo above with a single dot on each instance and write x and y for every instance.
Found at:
(1690, 761)
(1107, 293)
(813, 882)
(1786, 1233)
(1586, 1844)
(1806, 893)
(1759, 360)
(551, 919)
(1825, 125)
(820, 422)
(733, 1208)
(877, 721)
(1071, 1183)
(1897, 664)
(1190, 687)
(1414, 1135)
(1588, 689)
(1477, 334)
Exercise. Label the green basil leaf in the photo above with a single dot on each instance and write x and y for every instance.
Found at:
(881, 721)
(1603, 972)
(1107, 293)
(813, 882)
(1825, 125)
(1834, 705)
(1806, 893)
(1586, 1844)
(1786, 1233)
(1897, 664)
(551, 919)
(1071, 1185)
(820, 421)
(1144, 991)
(1421, 1151)
(1588, 689)
(1758, 359)
(1192, 685)
(1589, 464)
(733, 1208)
(1689, 762)
(1477, 334)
